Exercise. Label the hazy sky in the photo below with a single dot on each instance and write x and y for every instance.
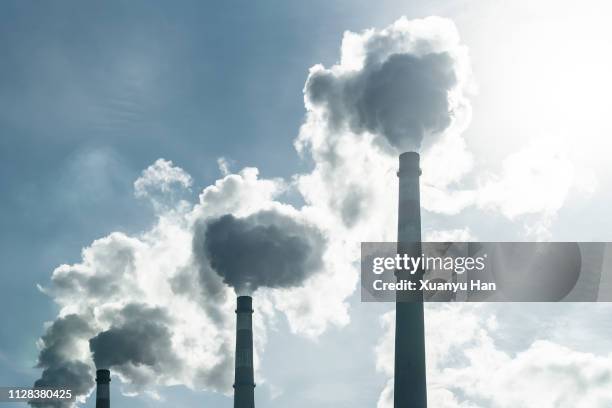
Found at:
(93, 94)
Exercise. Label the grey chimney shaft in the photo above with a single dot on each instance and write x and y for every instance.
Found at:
(244, 382)
(103, 389)
(410, 389)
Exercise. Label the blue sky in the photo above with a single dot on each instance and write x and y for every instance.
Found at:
(92, 94)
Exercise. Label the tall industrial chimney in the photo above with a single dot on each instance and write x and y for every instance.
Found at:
(410, 389)
(103, 389)
(244, 382)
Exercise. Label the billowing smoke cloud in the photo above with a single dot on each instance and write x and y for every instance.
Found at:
(403, 97)
(400, 88)
(60, 358)
(264, 249)
(142, 338)
(401, 82)
(73, 375)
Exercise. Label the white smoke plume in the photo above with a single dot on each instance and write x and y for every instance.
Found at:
(396, 89)
(403, 83)
(265, 249)
(63, 358)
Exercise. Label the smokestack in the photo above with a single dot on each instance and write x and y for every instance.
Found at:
(103, 389)
(410, 389)
(244, 382)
